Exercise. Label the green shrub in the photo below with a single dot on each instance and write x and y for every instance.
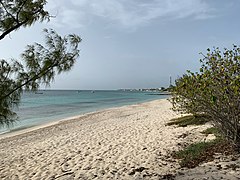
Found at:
(201, 152)
(213, 91)
(212, 130)
(189, 120)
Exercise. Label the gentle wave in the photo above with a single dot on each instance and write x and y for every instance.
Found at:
(49, 106)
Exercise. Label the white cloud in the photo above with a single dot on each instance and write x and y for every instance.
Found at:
(127, 13)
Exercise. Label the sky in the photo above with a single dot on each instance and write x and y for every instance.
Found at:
(133, 43)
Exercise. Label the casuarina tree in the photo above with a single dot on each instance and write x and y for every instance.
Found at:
(39, 63)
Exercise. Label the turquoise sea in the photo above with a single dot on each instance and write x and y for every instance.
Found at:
(51, 105)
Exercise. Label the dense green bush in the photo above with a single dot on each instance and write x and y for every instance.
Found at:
(213, 91)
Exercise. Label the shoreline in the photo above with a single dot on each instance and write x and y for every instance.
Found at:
(58, 121)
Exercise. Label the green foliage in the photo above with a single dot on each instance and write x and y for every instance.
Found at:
(189, 120)
(39, 64)
(192, 153)
(212, 130)
(214, 91)
(17, 13)
(201, 152)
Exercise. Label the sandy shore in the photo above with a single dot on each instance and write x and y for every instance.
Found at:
(130, 142)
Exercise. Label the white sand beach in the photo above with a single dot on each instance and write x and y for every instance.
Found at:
(130, 142)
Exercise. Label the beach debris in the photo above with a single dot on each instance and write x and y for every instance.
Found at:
(168, 176)
(140, 169)
(64, 174)
(183, 135)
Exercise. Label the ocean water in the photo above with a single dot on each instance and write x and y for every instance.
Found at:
(52, 105)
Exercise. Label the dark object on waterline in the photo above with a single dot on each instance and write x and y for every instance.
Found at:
(159, 94)
(38, 92)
